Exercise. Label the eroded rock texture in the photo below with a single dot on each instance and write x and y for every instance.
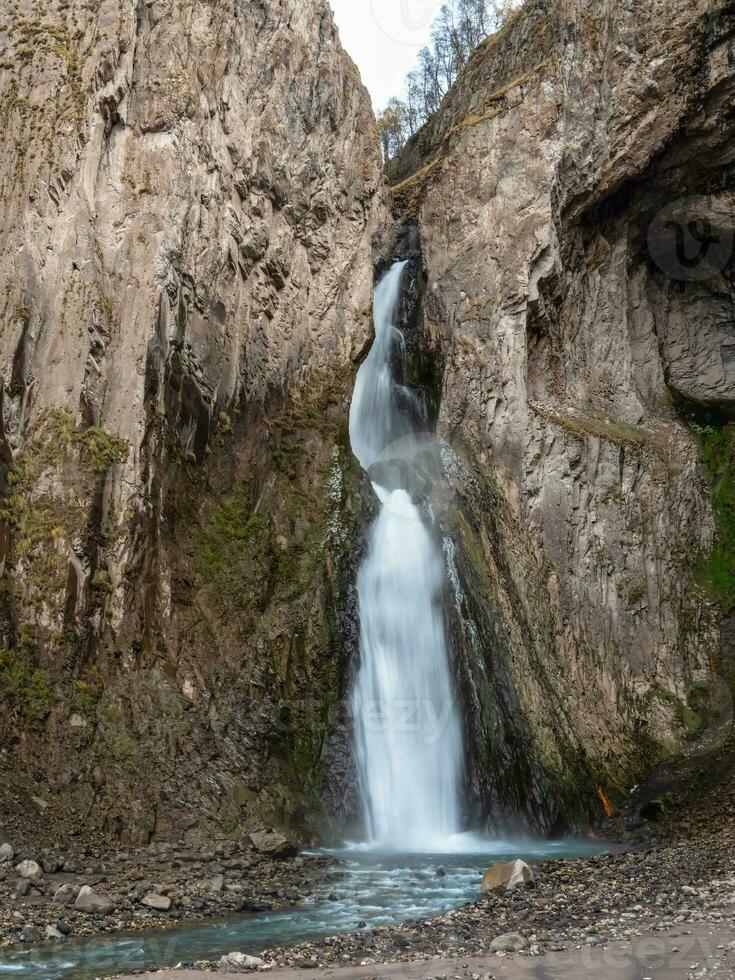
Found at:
(189, 192)
(549, 192)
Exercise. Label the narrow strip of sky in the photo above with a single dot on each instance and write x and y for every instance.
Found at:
(384, 38)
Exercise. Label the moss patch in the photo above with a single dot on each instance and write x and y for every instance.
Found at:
(582, 425)
(49, 489)
(716, 573)
(230, 539)
(689, 714)
(25, 694)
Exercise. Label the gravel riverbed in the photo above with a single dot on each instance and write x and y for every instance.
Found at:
(677, 874)
(145, 888)
(676, 879)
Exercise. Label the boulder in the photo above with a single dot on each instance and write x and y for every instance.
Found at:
(160, 903)
(273, 843)
(90, 901)
(508, 875)
(65, 894)
(240, 963)
(7, 853)
(52, 933)
(509, 942)
(217, 883)
(29, 869)
(22, 887)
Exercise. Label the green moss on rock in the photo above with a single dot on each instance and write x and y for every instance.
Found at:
(716, 573)
(25, 694)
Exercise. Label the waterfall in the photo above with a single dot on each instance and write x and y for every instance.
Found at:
(407, 734)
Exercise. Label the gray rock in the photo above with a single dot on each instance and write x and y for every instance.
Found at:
(90, 901)
(22, 887)
(29, 869)
(160, 903)
(66, 894)
(509, 942)
(52, 933)
(507, 875)
(239, 963)
(7, 853)
(273, 844)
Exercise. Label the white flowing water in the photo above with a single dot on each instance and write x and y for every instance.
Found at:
(407, 732)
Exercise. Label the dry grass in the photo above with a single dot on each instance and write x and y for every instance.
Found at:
(582, 425)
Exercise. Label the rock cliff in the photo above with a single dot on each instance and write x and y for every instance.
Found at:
(193, 204)
(573, 203)
(189, 192)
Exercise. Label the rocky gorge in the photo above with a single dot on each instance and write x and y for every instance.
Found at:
(195, 210)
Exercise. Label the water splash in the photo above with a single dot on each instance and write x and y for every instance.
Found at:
(407, 732)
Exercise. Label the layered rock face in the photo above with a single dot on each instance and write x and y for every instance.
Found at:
(574, 204)
(189, 193)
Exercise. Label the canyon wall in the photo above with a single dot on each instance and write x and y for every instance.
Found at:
(189, 193)
(193, 204)
(562, 199)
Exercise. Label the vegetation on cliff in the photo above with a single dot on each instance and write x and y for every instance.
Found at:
(458, 28)
(717, 571)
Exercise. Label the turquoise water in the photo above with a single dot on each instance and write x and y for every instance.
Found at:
(369, 888)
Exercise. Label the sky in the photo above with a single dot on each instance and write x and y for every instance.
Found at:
(384, 37)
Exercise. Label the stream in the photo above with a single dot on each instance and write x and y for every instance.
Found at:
(370, 887)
